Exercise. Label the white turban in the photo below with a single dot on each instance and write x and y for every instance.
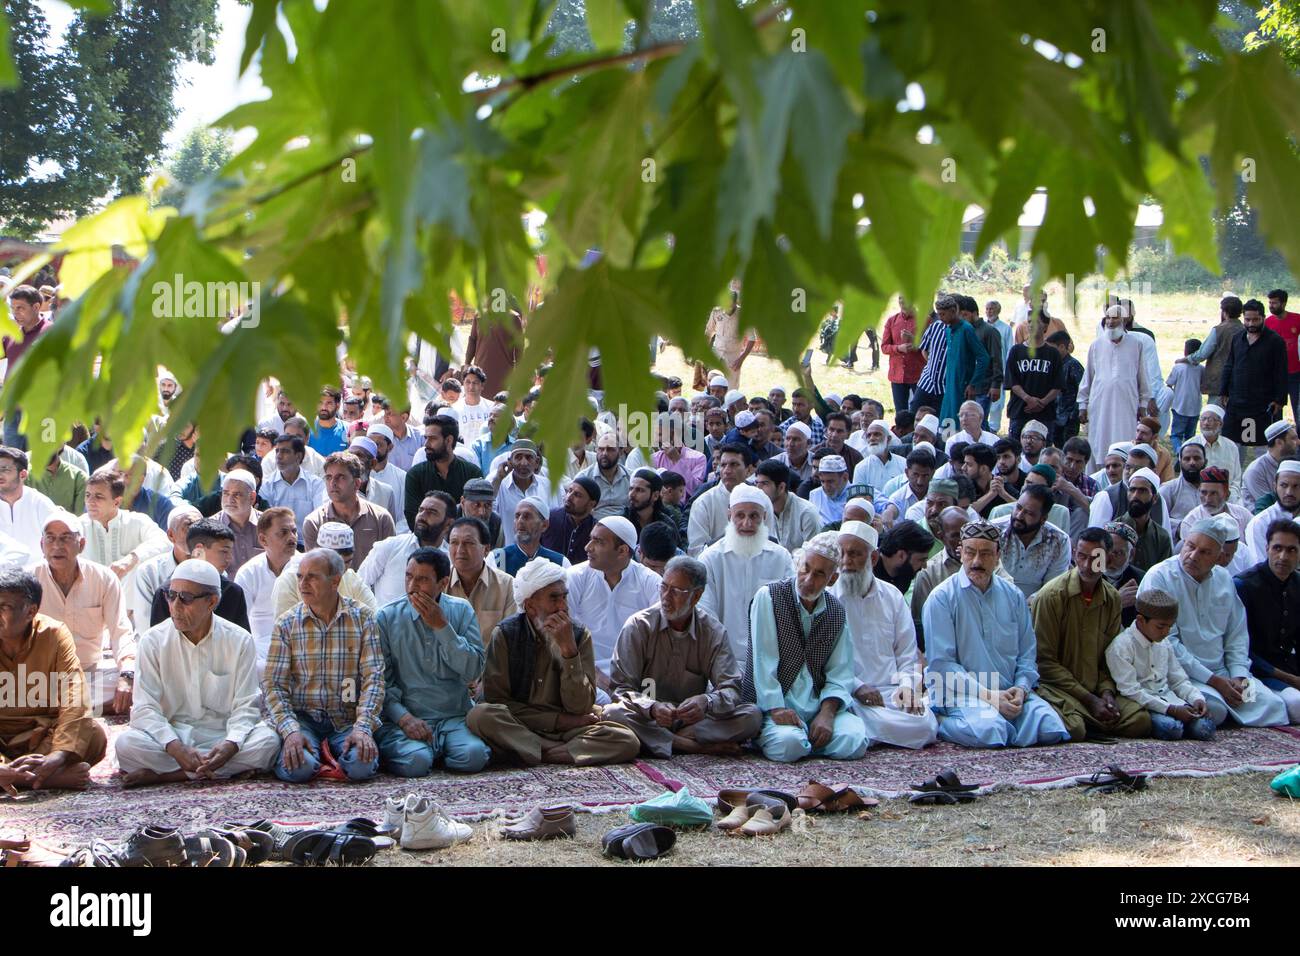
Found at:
(1148, 475)
(862, 530)
(199, 572)
(1213, 409)
(182, 511)
(747, 494)
(826, 544)
(1037, 427)
(622, 528)
(930, 423)
(532, 577)
(242, 476)
(800, 428)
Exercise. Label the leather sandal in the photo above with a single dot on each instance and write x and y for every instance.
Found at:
(323, 847)
(1114, 779)
(368, 828)
(638, 841)
(946, 781)
(819, 798)
(256, 844)
(208, 848)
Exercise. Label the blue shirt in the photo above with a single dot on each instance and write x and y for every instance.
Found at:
(303, 496)
(801, 698)
(327, 441)
(510, 559)
(427, 672)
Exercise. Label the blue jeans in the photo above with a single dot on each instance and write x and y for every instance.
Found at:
(1181, 428)
(460, 750)
(983, 402)
(1164, 727)
(902, 395)
(12, 436)
(315, 731)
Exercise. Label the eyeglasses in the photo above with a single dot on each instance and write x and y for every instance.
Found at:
(184, 597)
(682, 593)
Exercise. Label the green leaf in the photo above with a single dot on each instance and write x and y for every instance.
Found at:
(607, 23)
(260, 22)
(839, 30)
(784, 306)
(1187, 204)
(8, 74)
(88, 244)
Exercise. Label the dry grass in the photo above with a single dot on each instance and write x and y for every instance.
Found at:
(1214, 821)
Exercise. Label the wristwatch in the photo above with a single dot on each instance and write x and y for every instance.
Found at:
(129, 675)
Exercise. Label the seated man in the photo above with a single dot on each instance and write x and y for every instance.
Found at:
(979, 640)
(333, 536)
(324, 680)
(48, 738)
(1032, 551)
(1211, 640)
(1270, 592)
(886, 663)
(800, 662)
(539, 684)
(214, 543)
(195, 715)
(1146, 670)
(667, 658)
(489, 591)
(530, 523)
(1076, 616)
(432, 653)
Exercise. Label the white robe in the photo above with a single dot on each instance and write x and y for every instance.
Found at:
(1113, 389)
(709, 516)
(24, 520)
(733, 582)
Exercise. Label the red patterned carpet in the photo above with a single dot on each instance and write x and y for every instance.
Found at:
(107, 811)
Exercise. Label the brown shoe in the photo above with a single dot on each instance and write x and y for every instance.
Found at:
(767, 820)
(544, 823)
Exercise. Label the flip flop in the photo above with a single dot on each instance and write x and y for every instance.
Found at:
(368, 828)
(638, 841)
(322, 847)
(1114, 779)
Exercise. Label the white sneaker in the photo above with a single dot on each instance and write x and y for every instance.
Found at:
(395, 812)
(427, 827)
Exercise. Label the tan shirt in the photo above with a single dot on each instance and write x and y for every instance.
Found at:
(93, 610)
(652, 662)
(373, 524)
(558, 684)
(60, 702)
(493, 597)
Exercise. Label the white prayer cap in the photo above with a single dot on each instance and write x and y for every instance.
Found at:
(447, 412)
(1150, 476)
(1289, 468)
(1277, 429)
(182, 511)
(1120, 448)
(537, 504)
(366, 444)
(801, 428)
(860, 529)
(242, 476)
(865, 504)
(733, 396)
(881, 424)
(379, 429)
(1231, 530)
(622, 528)
(718, 381)
(335, 535)
(1142, 448)
(833, 464)
(166, 376)
(930, 423)
(1036, 427)
(924, 446)
(1115, 311)
(537, 574)
(747, 494)
(64, 516)
(746, 419)
(1213, 409)
(197, 571)
(826, 544)
(832, 397)
(1194, 440)
(1211, 528)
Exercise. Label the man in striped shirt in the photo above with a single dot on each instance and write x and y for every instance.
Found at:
(934, 346)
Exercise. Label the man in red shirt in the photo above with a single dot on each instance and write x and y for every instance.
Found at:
(1287, 325)
(25, 306)
(899, 342)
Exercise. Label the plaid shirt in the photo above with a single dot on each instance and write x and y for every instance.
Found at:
(331, 671)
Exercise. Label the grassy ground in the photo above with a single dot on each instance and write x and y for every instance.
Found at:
(1173, 318)
(1213, 821)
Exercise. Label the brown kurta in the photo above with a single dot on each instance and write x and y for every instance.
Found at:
(58, 716)
(1072, 641)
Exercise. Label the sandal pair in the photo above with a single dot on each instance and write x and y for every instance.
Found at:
(638, 841)
(818, 798)
(943, 789)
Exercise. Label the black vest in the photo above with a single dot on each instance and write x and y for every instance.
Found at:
(1119, 503)
(795, 651)
(521, 652)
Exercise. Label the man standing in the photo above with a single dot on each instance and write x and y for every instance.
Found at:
(1254, 388)
(990, 387)
(992, 315)
(796, 520)
(673, 678)
(966, 362)
(569, 527)
(1214, 349)
(979, 640)
(539, 683)
(489, 591)
(521, 466)
(1114, 387)
(324, 680)
(384, 569)
(743, 561)
(1035, 375)
(472, 411)
(289, 486)
(1211, 641)
(196, 711)
(1261, 474)
(799, 668)
(330, 435)
(1287, 325)
(432, 654)
(1033, 551)
(610, 476)
(370, 524)
(898, 341)
(441, 469)
(1287, 490)
(887, 685)
(25, 306)
(1076, 616)
(1270, 592)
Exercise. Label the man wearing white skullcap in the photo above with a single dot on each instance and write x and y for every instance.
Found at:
(1113, 502)
(878, 463)
(378, 493)
(1210, 638)
(926, 430)
(87, 598)
(184, 724)
(1115, 385)
(709, 509)
(744, 560)
(1286, 489)
(1261, 474)
(1155, 543)
(539, 683)
(800, 667)
(608, 588)
(154, 573)
(887, 674)
(796, 443)
(531, 519)
(238, 495)
(830, 498)
(385, 470)
(1221, 451)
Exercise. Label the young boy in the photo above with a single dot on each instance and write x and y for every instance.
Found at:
(1067, 404)
(1146, 670)
(1185, 380)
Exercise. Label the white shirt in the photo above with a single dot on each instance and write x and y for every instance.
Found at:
(129, 532)
(709, 516)
(191, 691)
(884, 638)
(394, 478)
(603, 610)
(985, 438)
(1238, 513)
(509, 494)
(145, 581)
(473, 418)
(1148, 673)
(384, 569)
(733, 582)
(798, 522)
(874, 472)
(14, 554)
(24, 520)
(1224, 454)
(258, 583)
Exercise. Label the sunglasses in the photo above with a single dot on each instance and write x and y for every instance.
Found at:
(182, 596)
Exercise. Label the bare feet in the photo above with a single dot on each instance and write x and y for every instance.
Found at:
(75, 776)
(148, 778)
(558, 754)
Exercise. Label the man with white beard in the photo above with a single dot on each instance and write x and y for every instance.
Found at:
(878, 464)
(741, 563)
(886, 663)
(1221, 451)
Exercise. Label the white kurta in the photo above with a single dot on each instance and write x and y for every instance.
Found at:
(1256, 539)
(733, 582)
(797, 523)
(384, 569)
(200, 694)
(146, 580)
(1114, 387)
(603, 610)
(1258, 480)
(394, 478)
(258, 583)
(876, 473)
(709, 516)
(885, 657)
(24, 520)
(1238, 513)
(1180, 498)
(1225, 454)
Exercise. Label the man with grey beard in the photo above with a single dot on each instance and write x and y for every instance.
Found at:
(887, 691)
(741, 563)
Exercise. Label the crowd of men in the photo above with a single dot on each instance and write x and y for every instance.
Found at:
(352, 595)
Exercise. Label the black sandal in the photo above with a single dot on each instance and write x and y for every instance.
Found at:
(322, 847)
(638, 841)
(946, 781)
(1114, 779)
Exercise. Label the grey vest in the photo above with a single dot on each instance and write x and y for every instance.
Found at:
(795, 651)
(1225, 332)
